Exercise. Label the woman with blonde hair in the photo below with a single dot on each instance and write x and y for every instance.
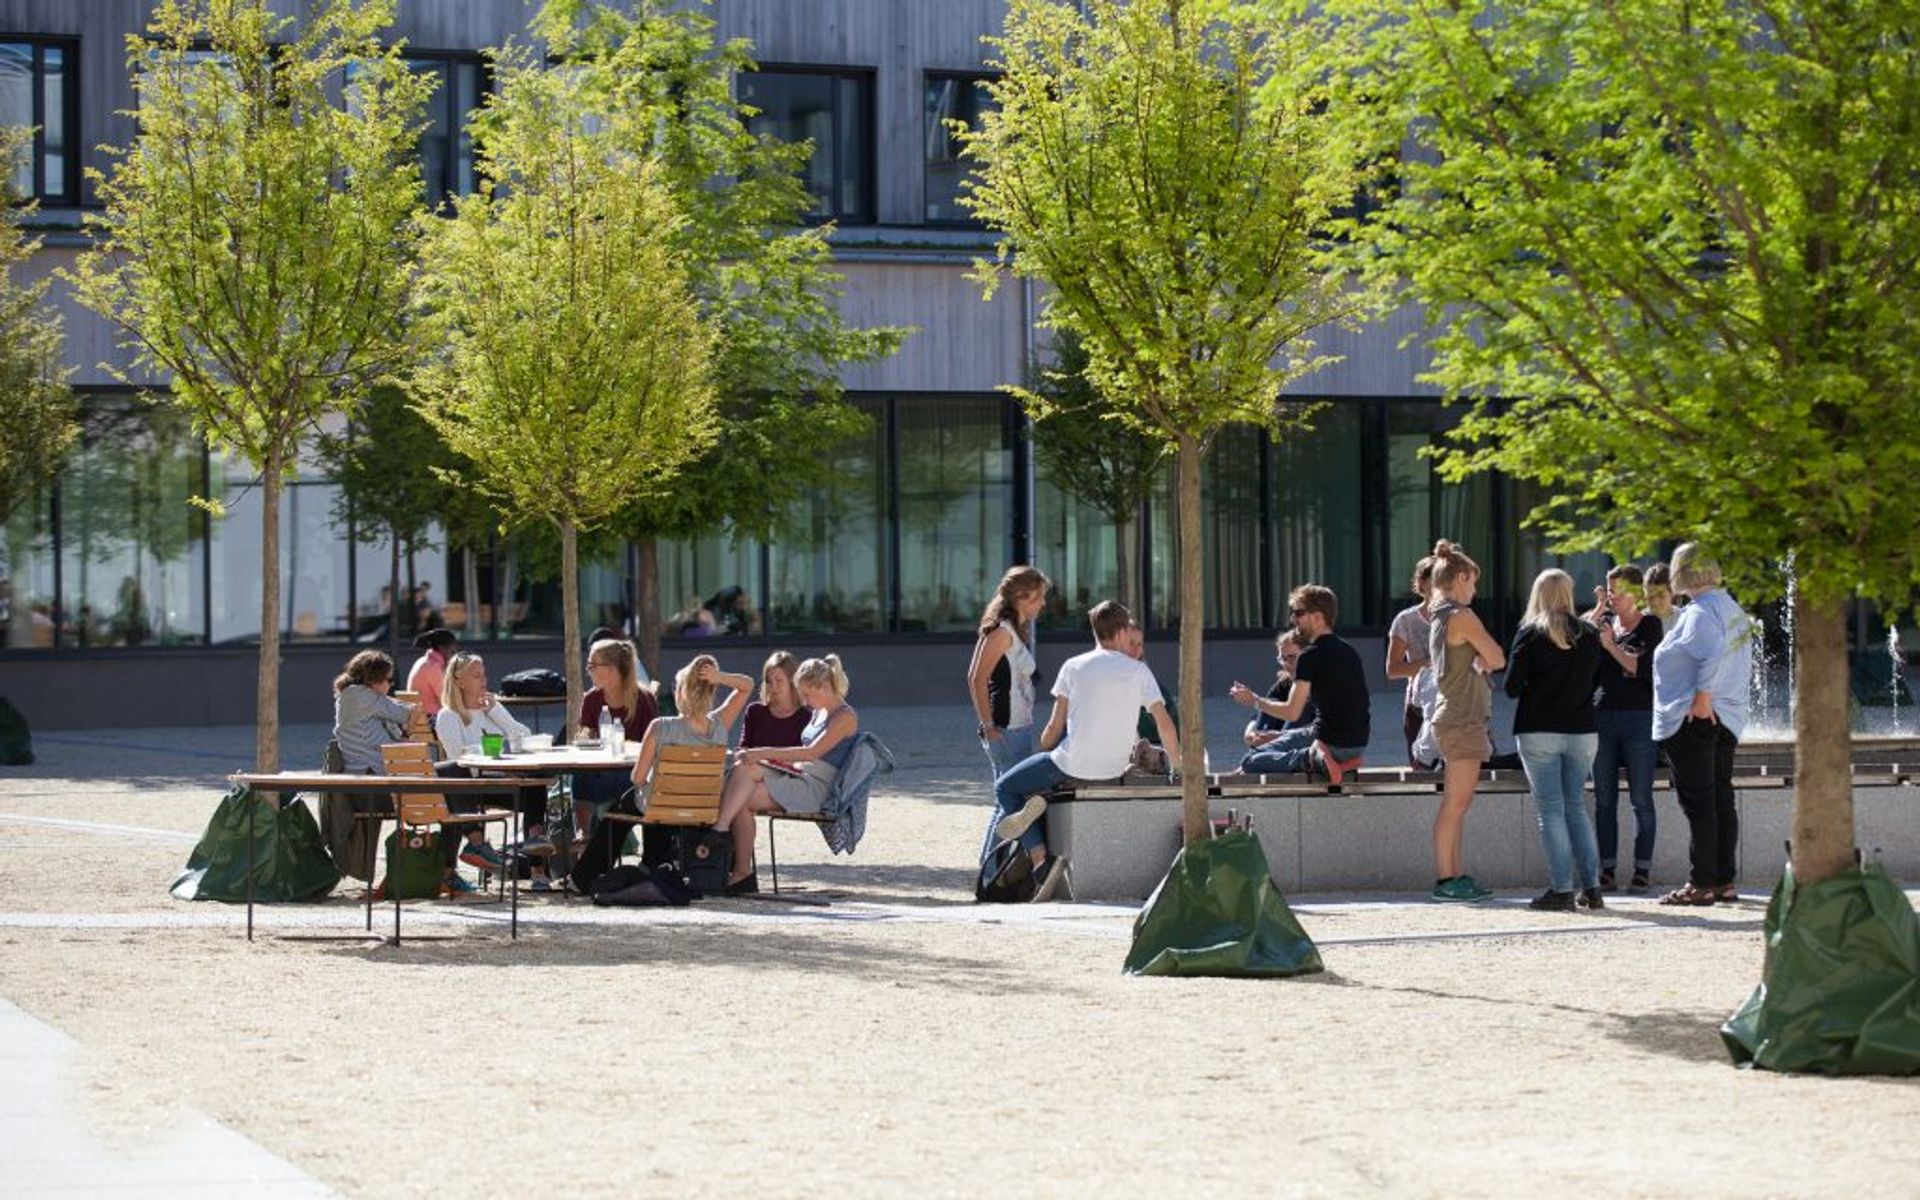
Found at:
(1463, 655)
(1552, 672)
(699, 722)
(777, 718)
(614, 668)
(468, 712)
(795, 779)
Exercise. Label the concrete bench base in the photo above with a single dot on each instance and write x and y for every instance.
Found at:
(1121, 846)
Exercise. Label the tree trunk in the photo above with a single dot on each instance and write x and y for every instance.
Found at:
(570, 612)
(393, 604)
(646, 615)
(470, 585)
(266, 723)
(1188, 556)
(1823, 745)
(1123, 548)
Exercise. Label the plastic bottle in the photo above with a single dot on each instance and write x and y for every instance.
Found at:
(606, 729)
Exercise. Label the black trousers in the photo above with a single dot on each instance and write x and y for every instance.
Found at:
(1701, 755)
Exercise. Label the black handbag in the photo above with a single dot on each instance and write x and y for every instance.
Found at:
(1006, 875)
(535, 681)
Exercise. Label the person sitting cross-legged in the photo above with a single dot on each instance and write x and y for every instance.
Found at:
(1329, 677)
(1096, 697)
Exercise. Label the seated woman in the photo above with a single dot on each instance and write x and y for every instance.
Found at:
(698, 722)
(777, 718)
(615, 670)
(755, 787)
(468, 713)
(1265, 728)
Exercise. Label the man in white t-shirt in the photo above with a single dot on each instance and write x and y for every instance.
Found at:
(1097, 698)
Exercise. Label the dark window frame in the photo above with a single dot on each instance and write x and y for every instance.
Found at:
(69, 47)
(868, 77)
(927, 78)
(439, 200)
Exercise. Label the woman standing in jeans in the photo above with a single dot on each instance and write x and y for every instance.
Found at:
(1000, 677)
(1701, 674)
(1551, 672)
(1623, 716)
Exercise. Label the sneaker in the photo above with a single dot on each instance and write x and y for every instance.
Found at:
(1016, 823)
(1459, 890)
(482, 857)
(1552, 901)
(1592, 900)
(537, 846)
(542, 884)
(1054, 884)
(1474, 890)
(455, 885)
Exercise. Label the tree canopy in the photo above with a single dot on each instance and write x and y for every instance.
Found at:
(40, 426)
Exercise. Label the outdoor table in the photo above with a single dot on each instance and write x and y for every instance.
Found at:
(535, 703)
(289, 783)
(560, 760)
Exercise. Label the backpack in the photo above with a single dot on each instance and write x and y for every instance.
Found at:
(1006, 875)
(639, 887)
(535, 681)
(414, 866)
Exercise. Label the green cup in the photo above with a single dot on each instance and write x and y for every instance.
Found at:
(491, 744)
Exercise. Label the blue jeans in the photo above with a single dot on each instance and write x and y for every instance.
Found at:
(1003, 752)
(1288, 754)
(1626, 739)
(1035, 773)
(1557, 766)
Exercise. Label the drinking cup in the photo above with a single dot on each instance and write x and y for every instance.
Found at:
(491, 744)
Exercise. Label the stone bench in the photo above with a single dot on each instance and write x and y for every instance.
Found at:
(1374, 833)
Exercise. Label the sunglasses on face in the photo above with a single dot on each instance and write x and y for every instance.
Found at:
(1297, 612)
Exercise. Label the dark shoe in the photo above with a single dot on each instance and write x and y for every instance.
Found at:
(1552, 901)
(1728, 894)
(1607, 883)
(1690, 897)
(746, 885)
(1591, 899)
(1640, 881)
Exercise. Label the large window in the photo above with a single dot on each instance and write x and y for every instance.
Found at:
(446, 147)
(831, 573)
(961, 98)
(834, 111)
(28, 597)
(955, 464)
(1316, 511)
(38, 89)
(1230, 518)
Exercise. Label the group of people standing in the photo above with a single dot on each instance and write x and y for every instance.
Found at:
(800, 720)
(1631, 679)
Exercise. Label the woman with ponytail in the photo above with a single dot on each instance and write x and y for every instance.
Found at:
(794, 779)
(1464, 654)
(1000, 677)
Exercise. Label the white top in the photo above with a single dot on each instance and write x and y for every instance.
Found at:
(1020, 674)
(458, 737)
(1105, 691)
(1414, 628)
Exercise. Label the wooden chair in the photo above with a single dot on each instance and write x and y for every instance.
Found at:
(687, 781)
(420, 809)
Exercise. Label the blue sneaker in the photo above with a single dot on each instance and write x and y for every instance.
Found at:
(482, 857)
(1474, 890)
(1461, 889)
(454, 885)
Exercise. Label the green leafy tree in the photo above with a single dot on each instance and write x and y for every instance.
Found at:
(659, 81)
(574, 373)
(1164, 167)
(1670, 250)
(256, 237)
(1090, 451)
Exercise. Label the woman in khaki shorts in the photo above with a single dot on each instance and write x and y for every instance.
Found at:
(1463, 655)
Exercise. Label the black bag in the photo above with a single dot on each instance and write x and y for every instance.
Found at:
(16, 740)
(702, 858)
(603, 845)
(535, 681)
(638, 887)
(1006, 875)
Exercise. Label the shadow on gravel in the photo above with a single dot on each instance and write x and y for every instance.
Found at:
(1671, 1033)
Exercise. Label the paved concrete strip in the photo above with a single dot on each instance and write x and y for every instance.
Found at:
(52, 1146)
(137, 831)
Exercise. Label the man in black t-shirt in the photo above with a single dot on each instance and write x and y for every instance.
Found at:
(1329, 677)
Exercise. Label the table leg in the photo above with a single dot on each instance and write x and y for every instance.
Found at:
(513, 867)
(250, 807)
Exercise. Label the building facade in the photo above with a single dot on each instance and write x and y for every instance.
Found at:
(113, 579)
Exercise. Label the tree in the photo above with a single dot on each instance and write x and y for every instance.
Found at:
(1092, 453)
(256, 238)
(1166, 167)
(1670, 253)
(574, 373)
(762, 275)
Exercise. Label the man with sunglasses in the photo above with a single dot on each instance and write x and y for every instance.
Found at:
(1330, 678)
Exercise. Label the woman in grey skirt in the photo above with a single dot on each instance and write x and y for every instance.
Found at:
(793, 779)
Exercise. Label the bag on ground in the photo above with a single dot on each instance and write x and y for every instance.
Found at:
(1218, 912)
(414, 866)
(16, 739)
(290, 859)
(1839, 992)
(632, 886)
(1006, 875)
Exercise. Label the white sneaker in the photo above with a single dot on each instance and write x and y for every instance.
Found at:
(1016, 823)
(1055, 883)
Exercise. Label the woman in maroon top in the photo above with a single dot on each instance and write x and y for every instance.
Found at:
(777, 718)
(616, 688)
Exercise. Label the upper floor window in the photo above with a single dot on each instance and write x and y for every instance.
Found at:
(833, 110)
(446, 144)
(950, 97)
(37, 89)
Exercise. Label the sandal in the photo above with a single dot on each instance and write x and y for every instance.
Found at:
(1690, 896)
(1728, 894)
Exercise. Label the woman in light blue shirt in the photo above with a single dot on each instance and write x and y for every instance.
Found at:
(1701, 674)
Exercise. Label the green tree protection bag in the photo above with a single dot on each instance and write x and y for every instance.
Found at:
(290, 860)
(1218, 913)
(1840, 991)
